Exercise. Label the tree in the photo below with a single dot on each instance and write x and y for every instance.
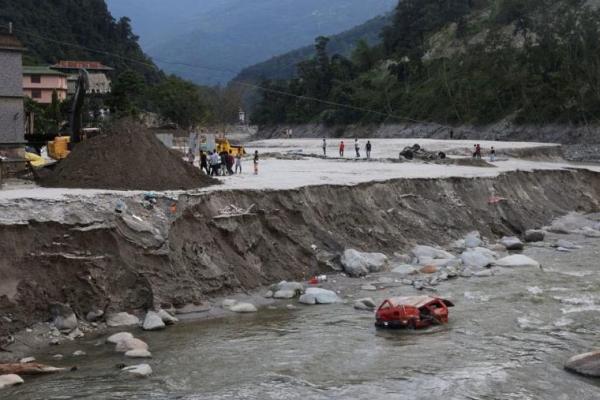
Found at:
(126, 95)
(178, 101)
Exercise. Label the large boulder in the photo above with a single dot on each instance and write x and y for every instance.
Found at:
(512, 243)
(119, 337)
(308, 299)
(358, 264)
(94, 315)
(517, 260)
(422, 253)
(288, 286)
(153, 322)
(587, 364)
(473, 239)
(243, 308)
(284, 294)
(130, 344)
(121, 319)
(478, 257)
(565, 244)
(65, 323)
(140, 371)
(366, 304)
(167, 318)
(534, 235)
(138, 353)
(319, 296)
(10, 380)
(405, 270)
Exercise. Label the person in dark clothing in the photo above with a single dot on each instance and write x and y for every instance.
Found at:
(224, 157)
(256, 162)
(368, 148)
(204, 162)
(230, 162)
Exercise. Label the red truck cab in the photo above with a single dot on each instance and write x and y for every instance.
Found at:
(414, 312)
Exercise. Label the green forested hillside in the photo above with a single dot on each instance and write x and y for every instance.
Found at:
(284, 66)
(456, 62)
(42, 25)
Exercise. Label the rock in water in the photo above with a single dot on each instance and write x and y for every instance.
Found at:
(565, 244)
(131, 344)
(119, 337)
(308, 299)
(405, 270)
(420, 252)
(94, 316)
(243, 308)
(587, 364)
(359, 264)
(368, 288)
(153, 322)
(65, 323)
(228, 303)
(473, 240)
(288, 286)
(511, 243)
(140, 371)
(285, 294)
(534, 235)
(478, 257)
(366, 304)
(122, 319)
(167, 318)
(138, 354)
(321, 296)
(517, 260)
(10, 380)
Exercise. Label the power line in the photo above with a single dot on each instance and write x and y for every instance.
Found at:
(222, 70)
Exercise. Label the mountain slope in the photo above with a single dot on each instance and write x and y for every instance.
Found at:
(228, 35)
(284, 66)
(456, 62)
(42, 25)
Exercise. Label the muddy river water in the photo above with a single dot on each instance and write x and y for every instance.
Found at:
(508, 338)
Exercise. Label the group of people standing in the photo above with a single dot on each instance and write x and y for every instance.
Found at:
(477, 152)
(342, 148)
(223, 163)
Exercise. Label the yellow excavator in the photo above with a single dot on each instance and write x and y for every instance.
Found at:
(223, 145)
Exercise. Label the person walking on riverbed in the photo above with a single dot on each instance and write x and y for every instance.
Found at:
(324, 147)
(357, 148)
(238, 162)
(256, 162)
(493, 154)
(204, 162)
(368, 148)
(342, 146)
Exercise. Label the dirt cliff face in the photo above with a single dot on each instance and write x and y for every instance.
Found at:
(118, 262)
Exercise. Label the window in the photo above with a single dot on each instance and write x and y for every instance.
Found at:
(36, 79)
(36, 94)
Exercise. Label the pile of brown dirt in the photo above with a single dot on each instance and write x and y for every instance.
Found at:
(130, 159)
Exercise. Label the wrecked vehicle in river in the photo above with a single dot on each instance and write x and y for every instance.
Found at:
(414, 312)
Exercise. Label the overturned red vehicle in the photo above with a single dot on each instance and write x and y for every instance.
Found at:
(414, 312)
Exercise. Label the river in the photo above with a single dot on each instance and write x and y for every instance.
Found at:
(508, 339)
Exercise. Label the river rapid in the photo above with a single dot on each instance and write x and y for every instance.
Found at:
(508, 338)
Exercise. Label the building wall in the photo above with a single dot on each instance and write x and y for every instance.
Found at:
(11, 71)
(53, 82)
(46, 95)
(12, 123)
(12, 129)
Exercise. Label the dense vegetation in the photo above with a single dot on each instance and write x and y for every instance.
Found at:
(85, 30)
(456, 62)
(284, 66)
(43, 25)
